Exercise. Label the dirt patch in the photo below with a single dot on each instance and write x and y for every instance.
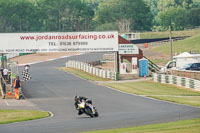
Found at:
(25, 59)
(152, 55)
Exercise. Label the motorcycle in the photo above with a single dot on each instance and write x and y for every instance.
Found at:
(85, 106)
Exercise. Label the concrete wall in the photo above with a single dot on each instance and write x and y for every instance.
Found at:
(187, 74)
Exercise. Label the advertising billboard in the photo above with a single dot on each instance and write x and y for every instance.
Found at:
(58, 42)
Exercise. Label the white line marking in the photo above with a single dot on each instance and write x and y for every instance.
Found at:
(147, 97)
(132, 93)
(6, 103)
(51, 114)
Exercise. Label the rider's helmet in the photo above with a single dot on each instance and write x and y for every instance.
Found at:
(77, 98)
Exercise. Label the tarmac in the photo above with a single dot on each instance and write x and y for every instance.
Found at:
(53, 90)
(31, 59)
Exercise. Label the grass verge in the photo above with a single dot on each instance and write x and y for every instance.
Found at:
(150, 35)
(160, 61)
(186, 126)
(155, 90)
(83, 74)
(10, 116)
(188, 44)
(148, 88)
(159, 91)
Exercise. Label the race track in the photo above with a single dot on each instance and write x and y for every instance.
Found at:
(53, 90)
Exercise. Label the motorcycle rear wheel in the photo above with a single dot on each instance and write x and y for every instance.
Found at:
(89, 112)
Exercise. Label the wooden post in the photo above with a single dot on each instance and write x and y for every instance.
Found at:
(170, 38)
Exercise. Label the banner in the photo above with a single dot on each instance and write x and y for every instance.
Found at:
(58, 42)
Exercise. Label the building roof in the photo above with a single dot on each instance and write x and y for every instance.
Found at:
(121, 40)
(186, 55)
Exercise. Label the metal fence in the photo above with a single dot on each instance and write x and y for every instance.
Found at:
(92, 70)
(177, 80)
(13, 69)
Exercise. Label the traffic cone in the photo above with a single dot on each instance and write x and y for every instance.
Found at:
(9, 93)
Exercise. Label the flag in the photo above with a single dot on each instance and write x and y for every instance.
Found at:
(26, 76)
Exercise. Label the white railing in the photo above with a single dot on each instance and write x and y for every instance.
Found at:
(92, 70)
(12, 55)
(177, 80)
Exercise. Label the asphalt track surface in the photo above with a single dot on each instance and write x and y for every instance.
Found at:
(54, 90)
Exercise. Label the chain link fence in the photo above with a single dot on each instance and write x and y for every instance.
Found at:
(13, 70)
(6, 84)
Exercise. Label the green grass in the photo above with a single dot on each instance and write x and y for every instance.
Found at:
(10, 116)
(189, 100)
(159, 91)
(160, 61)
(151, 89)
(83, 74)
(189, 44)
(150, 35)
(155, 90)
(186, 126)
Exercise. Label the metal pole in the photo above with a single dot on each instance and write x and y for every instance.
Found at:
(2, 61)
(170, 38)
(117, 61)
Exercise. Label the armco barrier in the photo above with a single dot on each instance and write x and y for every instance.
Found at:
(177, 80)
(92, 70)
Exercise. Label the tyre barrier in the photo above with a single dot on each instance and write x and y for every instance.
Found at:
(177, 80)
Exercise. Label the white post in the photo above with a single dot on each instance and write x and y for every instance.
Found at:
(155, 77)
(162, 78)
(170, 79)
(187, 84)
(104, 73)
(179, 81)
(197, 85)
(66, 65)
(100, 75)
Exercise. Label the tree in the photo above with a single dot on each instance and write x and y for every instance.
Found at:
(18, 15)
(93, 3)
(153, 4)
(107, 27)
(166, 4)
(174, 17)
(194, 17)
(129, 15)
(71, 15)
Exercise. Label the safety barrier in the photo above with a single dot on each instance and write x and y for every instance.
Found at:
(92, 70)
(177, 80)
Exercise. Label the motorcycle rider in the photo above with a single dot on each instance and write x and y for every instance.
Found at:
(78, 100)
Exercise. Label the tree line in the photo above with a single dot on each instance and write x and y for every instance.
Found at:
(97, 15)
(177, 13)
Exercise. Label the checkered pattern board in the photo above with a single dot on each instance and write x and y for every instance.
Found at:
(26, 76)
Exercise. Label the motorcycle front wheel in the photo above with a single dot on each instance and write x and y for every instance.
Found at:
(96, 114)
